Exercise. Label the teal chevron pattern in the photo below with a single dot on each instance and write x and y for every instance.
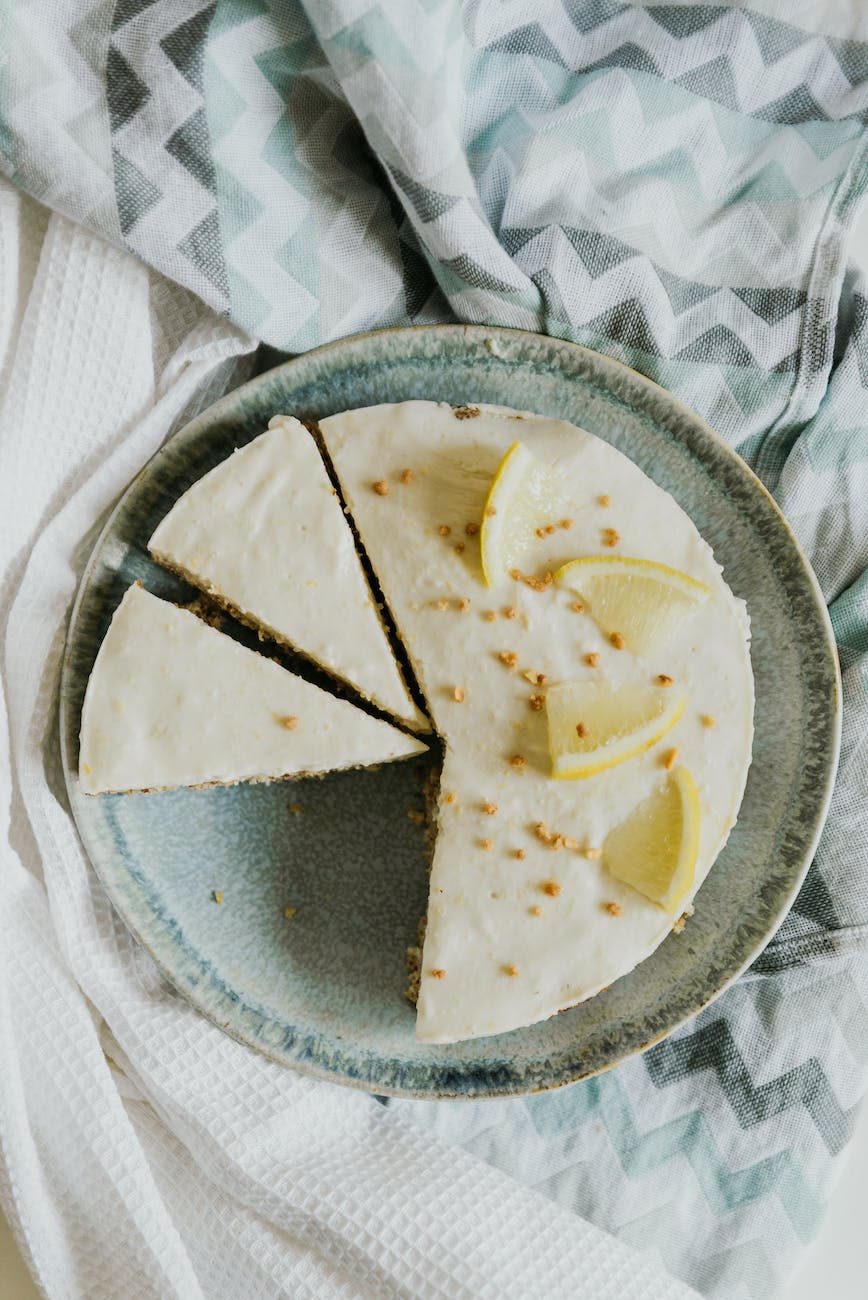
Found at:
(672, 184)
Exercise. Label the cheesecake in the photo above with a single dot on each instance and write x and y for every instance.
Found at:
(264, 534)
(511, 626)
(172, 701)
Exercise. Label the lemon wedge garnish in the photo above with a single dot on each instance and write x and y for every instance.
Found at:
(520, 500)
(593, 726)
(644, 601)
(656, 848)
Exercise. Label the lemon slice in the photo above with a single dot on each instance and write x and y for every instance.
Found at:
(593, 726)
(520, 500)
(656, 848)
(644, 601)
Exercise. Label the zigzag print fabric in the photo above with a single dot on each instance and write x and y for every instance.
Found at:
(670, 184)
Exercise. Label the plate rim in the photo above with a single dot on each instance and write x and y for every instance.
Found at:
(571, 1070)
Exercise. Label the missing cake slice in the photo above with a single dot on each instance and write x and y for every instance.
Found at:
(265, 535)
(173, 702)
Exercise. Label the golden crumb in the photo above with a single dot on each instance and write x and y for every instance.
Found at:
(515, 574)
(458, 694)
(217, 895)
(406, 477)
(490, 512)
(464, 604)
(542, 832)
(592, 659)
(582, 730)
(540, 532)
(471, 529)
(381, 487)
(614, 909)
(570, 843)
(520, 854)
(611, 537)
(517, 760)
(489, 808)
(551, 887)
(592, 854)
(536, 910)
(558, 842)
(450, 797)
(416, 817)
(529, 675)
(670, 758)
(296, 809)
(291, 723)
(490, 615)
(537, 702)
(508, 657)
(538, 584)
(511, 971)
(289, 912)
(85, 767)
(466, 412)
(708, 720)
(437, 974)
(550, 528)
(488, 845)
(510, 612)
(442, 604)
(678, 926)
(663, 679)
(577, 607)
(459, 548)
(566, 523)
(604, 500)
(444, 530)
(617, 640)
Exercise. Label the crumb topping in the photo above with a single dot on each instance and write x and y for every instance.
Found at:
(464, 604)
(508, 657)
(381, 487)
(459, 548)
(296, 809)
(217, 895)
(582, 730)
(708, 720)
(551, 887)
(289, 912)
(517, 760)
(444, 530)
(471, 529)
(490, 615)
(291, 723)
(592, 854)
(450, 797)
(614, 909)
(566, 523)
(577, 607)
(670, 758)
(487, 845)
(466, 412)
(406, 477)
(663, 679)
(536, 910)
(442, 604)
(540, 532)
(536, 702)
(458, 694)
(489, 808)
(542, 832)
(490, 512)
(592, 659)
(611, 537)
(520, 854)
(510, 970)
(437, 974)
(604, 500)
(617, 640)
(510, 612)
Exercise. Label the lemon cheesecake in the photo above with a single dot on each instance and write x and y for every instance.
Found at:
(265, 535)
(589, 670)
(173, 702)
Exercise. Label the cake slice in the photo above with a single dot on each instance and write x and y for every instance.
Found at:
(173, 702)
(535, 903)
(264, 533)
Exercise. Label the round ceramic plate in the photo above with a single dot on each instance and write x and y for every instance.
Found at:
(324, 991)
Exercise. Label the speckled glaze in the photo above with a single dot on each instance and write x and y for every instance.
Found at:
(324, 991)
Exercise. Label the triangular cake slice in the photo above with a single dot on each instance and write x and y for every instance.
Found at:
(173, 702)
(264, 533)
(524, 918)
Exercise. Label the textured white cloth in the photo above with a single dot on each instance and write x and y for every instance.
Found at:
(143, 1153)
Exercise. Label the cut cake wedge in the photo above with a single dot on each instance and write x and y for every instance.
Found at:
(265, 535)
(173, 702)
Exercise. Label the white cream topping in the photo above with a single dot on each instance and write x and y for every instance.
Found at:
(171, 701)
(265, 531)
(488, 912)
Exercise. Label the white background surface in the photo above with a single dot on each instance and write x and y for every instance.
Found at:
(836, 1267)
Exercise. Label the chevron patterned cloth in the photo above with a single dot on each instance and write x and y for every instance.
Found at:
(670, 184)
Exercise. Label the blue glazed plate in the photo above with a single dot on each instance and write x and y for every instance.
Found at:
(324, 991)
